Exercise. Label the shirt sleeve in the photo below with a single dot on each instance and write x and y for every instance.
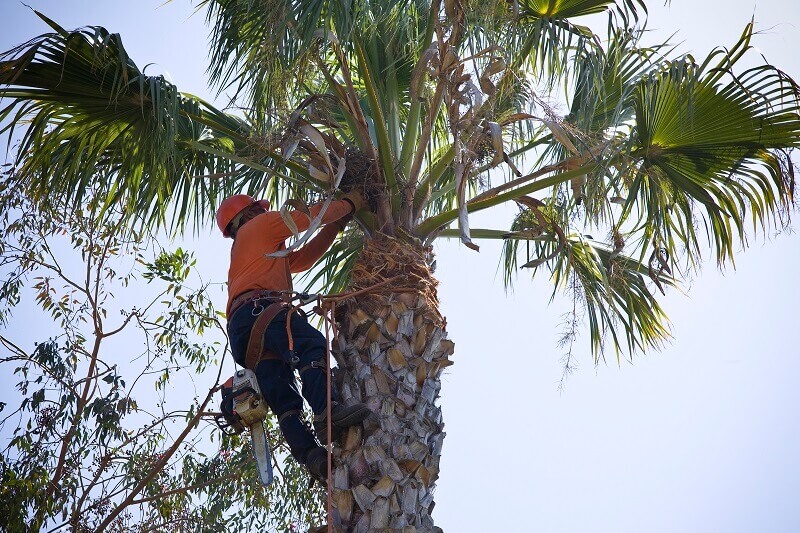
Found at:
(306, 256)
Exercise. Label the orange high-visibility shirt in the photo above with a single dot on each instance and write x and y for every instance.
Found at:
(251, 269)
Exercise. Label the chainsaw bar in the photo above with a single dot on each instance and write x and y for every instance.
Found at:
(262, 453)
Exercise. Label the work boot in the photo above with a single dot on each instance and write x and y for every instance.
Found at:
(342, 417)
(317, 463)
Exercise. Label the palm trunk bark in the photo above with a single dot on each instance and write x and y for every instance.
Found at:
(391, 349)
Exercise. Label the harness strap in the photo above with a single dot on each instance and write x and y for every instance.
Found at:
(287, 414)
(314, 364)
(251, 296)
(255, 346)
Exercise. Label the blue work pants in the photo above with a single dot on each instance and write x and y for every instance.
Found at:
(276, 378)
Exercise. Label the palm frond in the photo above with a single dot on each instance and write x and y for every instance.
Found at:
(610, 289)
(332, 275)
(618, 305)
(256, 46)
(544, 35)
(91, 114)
(707, 151)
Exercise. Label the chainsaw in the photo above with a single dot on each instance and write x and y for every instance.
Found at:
(243, 407)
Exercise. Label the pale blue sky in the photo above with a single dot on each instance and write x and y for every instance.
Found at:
(701, 437)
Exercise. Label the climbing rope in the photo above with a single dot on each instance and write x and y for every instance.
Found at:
(329, 325)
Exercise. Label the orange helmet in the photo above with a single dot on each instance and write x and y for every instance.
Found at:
(232, 206)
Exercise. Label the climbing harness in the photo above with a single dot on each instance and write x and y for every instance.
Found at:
(255, 346)
(243, 405)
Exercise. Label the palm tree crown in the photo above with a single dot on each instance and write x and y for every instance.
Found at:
(437, 110)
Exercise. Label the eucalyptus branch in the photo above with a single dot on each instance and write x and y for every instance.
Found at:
(128, 318)
(55, 267)
(94, 377)
(52, 486)
(164, 458)
(101, 262)
(76, 508)
(21, 354)
(151, 426)
(98, 325)
(182, 490)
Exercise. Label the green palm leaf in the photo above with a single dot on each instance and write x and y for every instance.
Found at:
(711, 144)
(92, 114)
(545, 35)
(692, 152)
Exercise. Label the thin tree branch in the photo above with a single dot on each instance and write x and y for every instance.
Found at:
(233, 475)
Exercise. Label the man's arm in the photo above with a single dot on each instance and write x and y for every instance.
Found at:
(305, 257)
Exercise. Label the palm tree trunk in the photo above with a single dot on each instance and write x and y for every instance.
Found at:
(391, 349)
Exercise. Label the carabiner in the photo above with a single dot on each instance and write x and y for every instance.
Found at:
(257, 308)
(293, 360)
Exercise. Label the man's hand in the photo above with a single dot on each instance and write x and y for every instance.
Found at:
(355, 199)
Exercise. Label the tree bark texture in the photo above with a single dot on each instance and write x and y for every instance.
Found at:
(391, 349)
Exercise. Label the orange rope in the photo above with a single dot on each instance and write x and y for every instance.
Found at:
(289, 335)
(345, 295)
(328, 417)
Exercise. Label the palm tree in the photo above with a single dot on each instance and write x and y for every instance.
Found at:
(435, 110)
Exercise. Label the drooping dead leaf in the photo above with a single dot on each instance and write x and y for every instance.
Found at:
(317, 174)
(319, 143)
(561, 135)
(485, 81)
(496, 135)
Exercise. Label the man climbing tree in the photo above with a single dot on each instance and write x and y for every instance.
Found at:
(270, 339)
